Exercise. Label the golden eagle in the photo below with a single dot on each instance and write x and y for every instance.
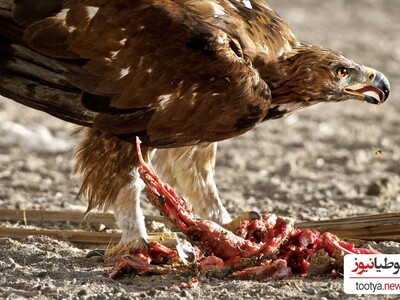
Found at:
(179, 74)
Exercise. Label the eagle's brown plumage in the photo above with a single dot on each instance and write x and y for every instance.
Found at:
(180, 74)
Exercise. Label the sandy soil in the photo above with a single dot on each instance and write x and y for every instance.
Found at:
(316, 164)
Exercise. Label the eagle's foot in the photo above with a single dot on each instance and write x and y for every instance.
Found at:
(117, 250)
(168, 239)
(121, 249)
(114, 251)
(154, 258)
(235, 224)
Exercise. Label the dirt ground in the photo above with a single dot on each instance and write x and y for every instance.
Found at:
(316, 164)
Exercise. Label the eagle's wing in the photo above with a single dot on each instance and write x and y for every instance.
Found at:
(173, 72)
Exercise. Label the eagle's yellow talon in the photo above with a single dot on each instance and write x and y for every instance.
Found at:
(118, 250)
(165, 238)
(235, 223)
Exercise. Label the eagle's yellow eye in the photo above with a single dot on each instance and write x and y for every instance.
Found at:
(342, 72)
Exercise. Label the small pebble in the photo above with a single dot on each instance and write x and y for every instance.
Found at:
(185, 293)
(118, 290)
(334, 295)
(270, 289)
(9, 260)
(223, 292)
(83, 292)
(152, 293)
(311, 291)
(102, 297)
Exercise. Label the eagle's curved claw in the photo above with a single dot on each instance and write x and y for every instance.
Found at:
(95, 252)
(186, 252)
(144, 243)
(119, 249)
(236, 222)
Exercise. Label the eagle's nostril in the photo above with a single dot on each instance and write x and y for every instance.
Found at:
(371, 77)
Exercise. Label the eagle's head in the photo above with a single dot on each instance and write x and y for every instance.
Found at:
(312, 74)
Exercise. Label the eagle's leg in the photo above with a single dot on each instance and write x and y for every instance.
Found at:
(130, 219)
(129, 216)
(109, 180)
(190, 170)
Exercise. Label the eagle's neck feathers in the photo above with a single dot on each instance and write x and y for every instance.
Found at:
(292, 81)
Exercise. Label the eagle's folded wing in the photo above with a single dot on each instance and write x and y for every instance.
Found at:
(173, 72)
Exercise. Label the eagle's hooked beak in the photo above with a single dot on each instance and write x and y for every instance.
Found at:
(375, 90)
